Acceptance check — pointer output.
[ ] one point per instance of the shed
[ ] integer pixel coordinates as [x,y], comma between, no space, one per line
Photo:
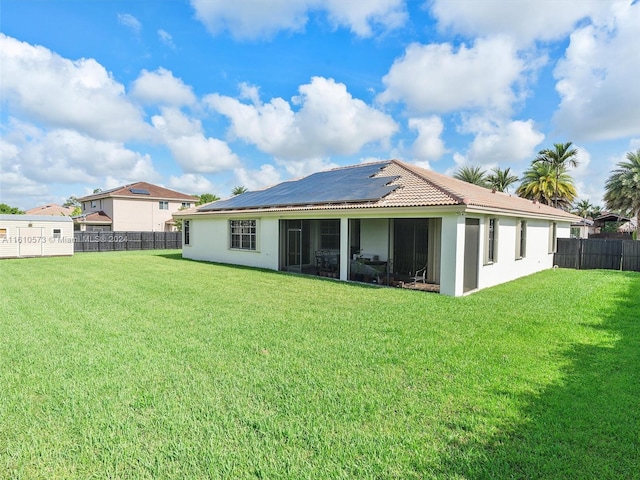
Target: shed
[35,236]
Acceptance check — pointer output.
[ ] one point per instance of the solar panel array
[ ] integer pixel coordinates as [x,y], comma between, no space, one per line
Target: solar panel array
[139,191]
[344,185]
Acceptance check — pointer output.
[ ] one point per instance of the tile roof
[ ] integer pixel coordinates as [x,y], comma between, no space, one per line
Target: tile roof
[94,217]
[51,209]
[154,191]
[414,187]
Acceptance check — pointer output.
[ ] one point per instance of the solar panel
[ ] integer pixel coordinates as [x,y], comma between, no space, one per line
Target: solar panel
[139,191]
[344,185]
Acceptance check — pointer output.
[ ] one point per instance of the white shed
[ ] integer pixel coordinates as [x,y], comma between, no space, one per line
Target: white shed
[35,236]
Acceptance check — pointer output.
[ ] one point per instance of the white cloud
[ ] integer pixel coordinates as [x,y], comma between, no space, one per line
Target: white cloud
[525,20]
[80,95]
[598,76]
[428,145]
[437,78]
[266,176]
[504,142]
[130,21]
[67,156]
[166,38]
[161,87]
[248,19]
[191,183]
[329,121]
[195,152]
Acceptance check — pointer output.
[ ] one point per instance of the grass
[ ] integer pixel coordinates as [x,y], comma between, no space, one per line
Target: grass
[141,365]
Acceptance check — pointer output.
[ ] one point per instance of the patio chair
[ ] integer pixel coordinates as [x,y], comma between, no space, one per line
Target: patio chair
[420,276]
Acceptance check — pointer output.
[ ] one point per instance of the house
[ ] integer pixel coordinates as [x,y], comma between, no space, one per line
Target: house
[381,222]
[51,209]
[582,228]
[35,236]
[138,207]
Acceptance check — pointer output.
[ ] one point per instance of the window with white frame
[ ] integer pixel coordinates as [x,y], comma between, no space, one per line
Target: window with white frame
[186,205]
[242,234]
[491,241]
[186,228]
[3,233]
[521,239]
[164,205]
[553,236]
[57,233]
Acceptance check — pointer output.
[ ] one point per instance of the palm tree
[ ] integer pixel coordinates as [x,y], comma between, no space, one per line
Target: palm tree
[238,190]
[500,180]
[582,208]
[622,190]
[472,174]
[560,158]
[543,184]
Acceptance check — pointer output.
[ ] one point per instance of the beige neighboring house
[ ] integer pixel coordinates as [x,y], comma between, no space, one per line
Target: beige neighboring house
[52,209]
[138,207]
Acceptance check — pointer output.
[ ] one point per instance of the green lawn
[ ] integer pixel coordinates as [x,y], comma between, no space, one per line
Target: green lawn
[143,365]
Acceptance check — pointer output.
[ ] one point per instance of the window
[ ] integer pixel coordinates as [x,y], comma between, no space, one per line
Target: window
[491,241]
[94,204]
[553,236]
[3,233]
[164,205]
[186,205]
[57,233]
[186,227]
[330,235]
[243,234]
[521,239]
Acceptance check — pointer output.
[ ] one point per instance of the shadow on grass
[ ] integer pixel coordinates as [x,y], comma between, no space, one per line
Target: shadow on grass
[586,428]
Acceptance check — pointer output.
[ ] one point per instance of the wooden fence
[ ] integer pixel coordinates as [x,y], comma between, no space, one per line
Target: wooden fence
[590,253]
[114,241]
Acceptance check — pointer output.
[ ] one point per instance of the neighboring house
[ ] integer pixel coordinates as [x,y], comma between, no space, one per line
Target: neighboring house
[138,207]
[35,236]
[388,217]
[52,209]
[582,228]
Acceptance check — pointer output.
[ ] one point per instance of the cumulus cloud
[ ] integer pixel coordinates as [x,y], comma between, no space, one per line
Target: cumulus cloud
[266,176]
[524,20]
[195,152]
[501,141]
[61,93]
[328,121]
[598,76]
[250,19]
[66,156]
[191,183]
[438,78]
[428,145]
[161,87]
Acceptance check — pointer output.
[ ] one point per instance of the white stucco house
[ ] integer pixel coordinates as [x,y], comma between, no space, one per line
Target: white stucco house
[35,236]
[380,222]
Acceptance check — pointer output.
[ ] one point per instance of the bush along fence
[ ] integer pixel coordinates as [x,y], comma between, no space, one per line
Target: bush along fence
[114,241]
[590,253]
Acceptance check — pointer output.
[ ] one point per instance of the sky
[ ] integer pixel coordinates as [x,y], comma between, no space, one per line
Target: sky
[201,96]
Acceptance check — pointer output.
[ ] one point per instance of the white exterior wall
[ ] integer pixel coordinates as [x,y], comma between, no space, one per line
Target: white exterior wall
[507,267]
[209,240]
[374,237]
[22,240]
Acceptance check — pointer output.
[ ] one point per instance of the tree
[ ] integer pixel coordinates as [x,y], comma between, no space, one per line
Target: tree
[501,180]
[238,190]
[97,190]
[207,198]
[559,159]
[543,184]
[72,201]
[6,209]
[472,174]
[622,189]
[76,211]
[582,208]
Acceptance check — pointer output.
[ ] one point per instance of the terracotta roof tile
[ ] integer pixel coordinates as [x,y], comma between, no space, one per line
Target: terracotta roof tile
[155,192]
[51,209]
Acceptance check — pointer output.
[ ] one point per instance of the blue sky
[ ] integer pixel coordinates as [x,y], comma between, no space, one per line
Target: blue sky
[201,96]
